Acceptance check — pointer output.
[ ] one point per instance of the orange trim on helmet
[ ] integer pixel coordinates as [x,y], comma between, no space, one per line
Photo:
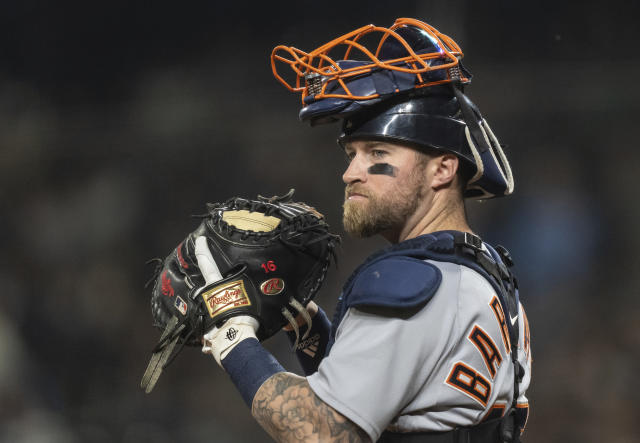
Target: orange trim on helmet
[318,61]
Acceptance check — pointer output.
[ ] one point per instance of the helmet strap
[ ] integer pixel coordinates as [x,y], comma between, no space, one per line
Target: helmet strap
[471,116]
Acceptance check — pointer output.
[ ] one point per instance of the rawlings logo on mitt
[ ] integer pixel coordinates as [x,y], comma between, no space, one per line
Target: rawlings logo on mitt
[271,256]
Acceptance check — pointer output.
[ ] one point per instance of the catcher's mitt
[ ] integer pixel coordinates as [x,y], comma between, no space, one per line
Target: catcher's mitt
[272,256]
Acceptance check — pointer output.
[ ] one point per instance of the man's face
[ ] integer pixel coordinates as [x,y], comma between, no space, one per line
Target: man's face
[385,182]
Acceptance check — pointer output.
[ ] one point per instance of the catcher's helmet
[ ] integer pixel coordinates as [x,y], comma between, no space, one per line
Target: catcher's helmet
[408,88]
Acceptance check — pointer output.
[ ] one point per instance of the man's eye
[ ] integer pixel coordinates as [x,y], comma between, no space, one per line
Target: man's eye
[348,157]
[378,153]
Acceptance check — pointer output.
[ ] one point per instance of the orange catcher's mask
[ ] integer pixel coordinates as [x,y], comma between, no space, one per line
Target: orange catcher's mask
[410,53]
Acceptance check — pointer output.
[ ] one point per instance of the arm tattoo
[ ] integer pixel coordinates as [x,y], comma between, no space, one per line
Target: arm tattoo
[288,409]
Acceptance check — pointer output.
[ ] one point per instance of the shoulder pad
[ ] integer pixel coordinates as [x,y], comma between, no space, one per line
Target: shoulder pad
[396,282]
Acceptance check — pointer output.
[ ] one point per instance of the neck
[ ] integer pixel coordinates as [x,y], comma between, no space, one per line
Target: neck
[442,212]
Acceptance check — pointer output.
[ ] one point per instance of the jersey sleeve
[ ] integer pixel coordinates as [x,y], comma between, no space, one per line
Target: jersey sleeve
[365,375]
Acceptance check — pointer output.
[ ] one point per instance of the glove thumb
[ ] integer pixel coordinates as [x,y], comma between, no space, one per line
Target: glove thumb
[206,263]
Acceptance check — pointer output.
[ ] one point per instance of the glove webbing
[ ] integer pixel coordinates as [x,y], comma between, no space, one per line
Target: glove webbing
[161,355]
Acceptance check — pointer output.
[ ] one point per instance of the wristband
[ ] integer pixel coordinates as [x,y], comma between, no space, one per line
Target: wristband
[311,350]
[249,365]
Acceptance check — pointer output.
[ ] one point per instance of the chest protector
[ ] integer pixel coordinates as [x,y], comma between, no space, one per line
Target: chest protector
[455,247]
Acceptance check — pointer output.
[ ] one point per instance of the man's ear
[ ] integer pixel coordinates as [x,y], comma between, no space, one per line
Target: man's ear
[444,170]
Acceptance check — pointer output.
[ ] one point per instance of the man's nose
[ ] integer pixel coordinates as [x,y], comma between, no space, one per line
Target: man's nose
[356,171]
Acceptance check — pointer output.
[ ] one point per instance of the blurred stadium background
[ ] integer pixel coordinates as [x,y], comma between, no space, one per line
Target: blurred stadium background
[120,119]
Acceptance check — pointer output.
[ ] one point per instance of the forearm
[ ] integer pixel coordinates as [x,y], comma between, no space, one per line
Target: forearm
[288,409]
[283,403]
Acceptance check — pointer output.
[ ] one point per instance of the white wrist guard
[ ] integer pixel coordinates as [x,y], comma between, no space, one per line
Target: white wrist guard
[220,341]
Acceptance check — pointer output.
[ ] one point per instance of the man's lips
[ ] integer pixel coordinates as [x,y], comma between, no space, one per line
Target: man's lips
[353,194]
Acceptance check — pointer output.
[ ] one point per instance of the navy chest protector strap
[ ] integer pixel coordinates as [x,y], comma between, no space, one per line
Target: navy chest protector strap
[493,264]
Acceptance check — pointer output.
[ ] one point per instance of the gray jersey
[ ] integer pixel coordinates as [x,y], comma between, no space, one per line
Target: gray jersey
[446,366]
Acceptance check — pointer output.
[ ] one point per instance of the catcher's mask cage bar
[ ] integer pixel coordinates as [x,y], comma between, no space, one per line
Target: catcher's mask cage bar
[316,70]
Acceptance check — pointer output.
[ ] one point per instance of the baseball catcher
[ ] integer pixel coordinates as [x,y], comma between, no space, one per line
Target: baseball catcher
[428,341]
[253,263]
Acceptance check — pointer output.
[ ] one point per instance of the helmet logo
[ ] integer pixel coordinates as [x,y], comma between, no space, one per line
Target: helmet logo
[273,286]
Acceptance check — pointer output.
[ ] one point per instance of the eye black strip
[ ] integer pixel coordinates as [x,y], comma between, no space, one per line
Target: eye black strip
[382,169]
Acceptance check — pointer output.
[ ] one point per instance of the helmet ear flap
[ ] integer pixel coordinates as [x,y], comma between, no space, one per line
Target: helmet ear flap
[493,177]
[501,159]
